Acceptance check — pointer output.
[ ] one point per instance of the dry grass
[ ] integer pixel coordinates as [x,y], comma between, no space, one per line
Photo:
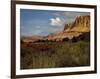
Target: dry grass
[55,54]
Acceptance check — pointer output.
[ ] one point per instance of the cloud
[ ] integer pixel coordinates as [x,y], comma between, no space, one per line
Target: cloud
[65,17]
[70,16]
[75,14]
[56,21]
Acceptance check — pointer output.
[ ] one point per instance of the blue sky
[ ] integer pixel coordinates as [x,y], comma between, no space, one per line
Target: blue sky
[44,22]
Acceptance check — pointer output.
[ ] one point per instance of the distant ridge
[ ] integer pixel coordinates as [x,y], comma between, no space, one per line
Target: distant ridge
[80,26]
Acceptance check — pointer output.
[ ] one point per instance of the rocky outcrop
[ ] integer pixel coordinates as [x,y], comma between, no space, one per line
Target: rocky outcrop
[75,29]
[81,24]
[60,36]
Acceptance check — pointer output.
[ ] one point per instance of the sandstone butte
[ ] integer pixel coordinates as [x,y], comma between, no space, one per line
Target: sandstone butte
[74,29]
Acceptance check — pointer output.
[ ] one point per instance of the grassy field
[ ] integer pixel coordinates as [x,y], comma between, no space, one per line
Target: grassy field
[55,54]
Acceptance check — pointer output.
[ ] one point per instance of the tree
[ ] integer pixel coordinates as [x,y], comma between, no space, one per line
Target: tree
[65,39]
[74,39]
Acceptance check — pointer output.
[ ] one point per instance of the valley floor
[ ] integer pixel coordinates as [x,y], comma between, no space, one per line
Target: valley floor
[55,54]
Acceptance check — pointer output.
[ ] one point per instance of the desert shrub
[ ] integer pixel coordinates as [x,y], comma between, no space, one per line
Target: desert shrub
[74,39]
[55,54]
[65,39]
[85,36]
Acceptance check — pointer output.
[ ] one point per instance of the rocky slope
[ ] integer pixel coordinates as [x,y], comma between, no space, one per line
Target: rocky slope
[75,29]
[81,24]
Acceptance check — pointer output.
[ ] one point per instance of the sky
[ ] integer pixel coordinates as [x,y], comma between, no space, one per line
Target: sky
[44,22]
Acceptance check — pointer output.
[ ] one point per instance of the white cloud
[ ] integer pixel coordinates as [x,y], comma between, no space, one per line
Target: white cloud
[56,21]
